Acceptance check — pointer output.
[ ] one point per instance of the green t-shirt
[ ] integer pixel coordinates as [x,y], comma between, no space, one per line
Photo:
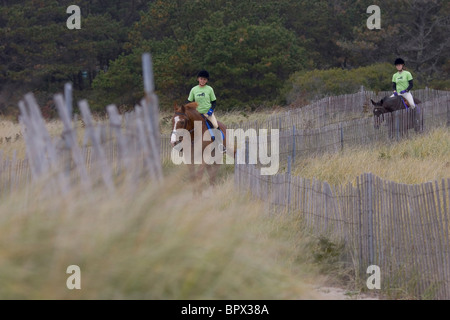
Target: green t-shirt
[203,96]
[402,80]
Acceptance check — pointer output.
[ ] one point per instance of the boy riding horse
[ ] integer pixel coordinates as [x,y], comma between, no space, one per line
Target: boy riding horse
[204,95]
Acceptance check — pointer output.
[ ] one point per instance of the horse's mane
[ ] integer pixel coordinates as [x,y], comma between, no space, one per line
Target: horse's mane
[191,105]
[191,111]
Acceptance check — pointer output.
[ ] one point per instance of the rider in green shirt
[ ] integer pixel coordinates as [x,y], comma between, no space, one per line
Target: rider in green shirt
[205,97]
[402,82]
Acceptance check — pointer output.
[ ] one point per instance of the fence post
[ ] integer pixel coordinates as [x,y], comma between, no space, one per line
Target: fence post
[397,125]
[448,110]
[97,145]
[341,129]
[293,144]
[115,123]
[151,113]
[237,172]
[417,119]
[70,134]
[359,182]
[68,98]
[370,217]
[247,151]
[289,184]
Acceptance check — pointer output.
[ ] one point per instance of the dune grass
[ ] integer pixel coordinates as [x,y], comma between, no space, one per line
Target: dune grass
[421,159]
[12,140]
[157,243]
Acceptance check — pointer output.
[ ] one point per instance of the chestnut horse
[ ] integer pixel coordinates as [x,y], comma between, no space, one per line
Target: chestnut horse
[185,117]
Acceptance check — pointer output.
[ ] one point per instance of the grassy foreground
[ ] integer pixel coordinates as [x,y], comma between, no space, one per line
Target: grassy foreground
[156,243]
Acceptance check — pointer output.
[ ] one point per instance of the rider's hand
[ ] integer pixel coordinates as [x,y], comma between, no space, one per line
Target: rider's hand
[395,93]
[210,112]
[404,91]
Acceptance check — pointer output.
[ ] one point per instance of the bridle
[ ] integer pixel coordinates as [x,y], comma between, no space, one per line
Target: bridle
[185,125]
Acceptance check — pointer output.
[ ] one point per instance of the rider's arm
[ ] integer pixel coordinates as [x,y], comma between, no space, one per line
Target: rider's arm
[394,86]
[410,85]
[213,104]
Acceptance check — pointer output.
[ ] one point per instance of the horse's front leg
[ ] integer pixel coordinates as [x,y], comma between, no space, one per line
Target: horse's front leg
[199,171]
[194,179]
[376,122]
[212,173]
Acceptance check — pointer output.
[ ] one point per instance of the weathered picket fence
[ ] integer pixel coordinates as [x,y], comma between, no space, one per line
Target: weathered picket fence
[126,148]
[316,128]
[297,141]
[336,109]
[403,229]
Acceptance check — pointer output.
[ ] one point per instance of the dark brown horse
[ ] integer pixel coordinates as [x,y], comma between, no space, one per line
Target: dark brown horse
[185,117]
[389,104]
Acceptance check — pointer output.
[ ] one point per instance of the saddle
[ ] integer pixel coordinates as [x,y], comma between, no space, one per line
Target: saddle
[405,102]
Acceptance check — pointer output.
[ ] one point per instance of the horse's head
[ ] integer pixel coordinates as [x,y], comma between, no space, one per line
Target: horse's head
[378,108]
[377,104]
[181,119]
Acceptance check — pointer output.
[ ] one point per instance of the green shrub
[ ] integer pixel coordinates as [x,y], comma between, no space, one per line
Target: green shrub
[317,84]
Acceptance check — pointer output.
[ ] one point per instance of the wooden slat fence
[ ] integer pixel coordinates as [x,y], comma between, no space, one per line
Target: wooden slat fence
[299,141]
[126,147]
[334,110]
[403,229]
[300,133]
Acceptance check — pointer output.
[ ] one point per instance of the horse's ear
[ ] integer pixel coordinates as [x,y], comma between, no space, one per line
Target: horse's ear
[176,107]
[183,109]
[378,104]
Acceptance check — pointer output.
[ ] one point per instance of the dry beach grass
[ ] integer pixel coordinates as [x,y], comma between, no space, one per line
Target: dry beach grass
[156,243]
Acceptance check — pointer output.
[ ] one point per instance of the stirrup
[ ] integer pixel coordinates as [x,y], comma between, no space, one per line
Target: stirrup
[222,148]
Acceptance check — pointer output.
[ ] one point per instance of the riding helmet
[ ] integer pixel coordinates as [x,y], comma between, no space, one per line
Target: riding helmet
[203,74]
[399,61]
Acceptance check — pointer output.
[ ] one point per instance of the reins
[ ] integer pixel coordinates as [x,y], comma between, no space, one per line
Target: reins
[185,124]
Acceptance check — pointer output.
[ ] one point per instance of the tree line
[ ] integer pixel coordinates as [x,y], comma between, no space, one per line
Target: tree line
[258,52]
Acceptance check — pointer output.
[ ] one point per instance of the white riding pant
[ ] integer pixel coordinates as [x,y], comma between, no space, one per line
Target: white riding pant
[408,96]
[213,120]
